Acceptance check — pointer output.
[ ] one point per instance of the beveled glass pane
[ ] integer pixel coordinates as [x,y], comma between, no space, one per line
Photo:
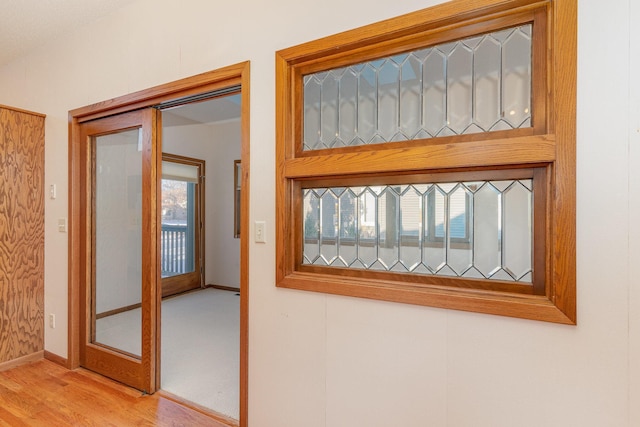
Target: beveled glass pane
[329,226]
[410,92]
[368,230]
[460,254]
[459,89]
[348,107]
[460,257]
[434,95]
[459,212]
[329,112]
[348,227]
[476,229]
[487,83]
[388,99]
[473,273]
[501,186]
[118,241]
[435,246]
[487,240]
[516,70]
[367,104]
[411,217]
[311,225]
[388,226]
[474,85]
[312,94]
[517,230]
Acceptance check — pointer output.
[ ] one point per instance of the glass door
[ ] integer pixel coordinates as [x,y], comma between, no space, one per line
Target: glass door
[181,243]
[120,298]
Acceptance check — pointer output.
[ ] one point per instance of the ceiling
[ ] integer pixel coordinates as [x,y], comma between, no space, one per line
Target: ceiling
[205,112]
[28,24]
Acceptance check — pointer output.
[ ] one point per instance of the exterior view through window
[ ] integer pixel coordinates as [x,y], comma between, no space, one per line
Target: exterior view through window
[178,221]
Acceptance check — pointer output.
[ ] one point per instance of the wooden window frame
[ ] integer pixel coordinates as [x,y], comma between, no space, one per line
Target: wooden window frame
[548,147]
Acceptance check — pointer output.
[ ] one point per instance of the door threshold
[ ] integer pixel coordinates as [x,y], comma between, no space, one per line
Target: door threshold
[217,416]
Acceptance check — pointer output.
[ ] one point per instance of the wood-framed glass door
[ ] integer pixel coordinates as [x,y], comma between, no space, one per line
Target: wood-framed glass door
[119,234]
[182,224]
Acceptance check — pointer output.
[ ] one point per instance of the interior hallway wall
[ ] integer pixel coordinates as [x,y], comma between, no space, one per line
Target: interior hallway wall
[319,360]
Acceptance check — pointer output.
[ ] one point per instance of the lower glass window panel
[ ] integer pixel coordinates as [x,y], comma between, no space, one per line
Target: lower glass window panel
[470,229]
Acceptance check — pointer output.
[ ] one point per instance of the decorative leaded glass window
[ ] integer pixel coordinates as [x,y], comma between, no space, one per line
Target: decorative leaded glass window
[478,84]
[479,229]
[430,159]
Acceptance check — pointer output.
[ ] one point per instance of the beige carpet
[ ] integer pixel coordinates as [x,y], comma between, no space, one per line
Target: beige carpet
[201,349]
[200,346]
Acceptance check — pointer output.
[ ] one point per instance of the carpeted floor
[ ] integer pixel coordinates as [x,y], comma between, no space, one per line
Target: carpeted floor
[200,346]
[201,349]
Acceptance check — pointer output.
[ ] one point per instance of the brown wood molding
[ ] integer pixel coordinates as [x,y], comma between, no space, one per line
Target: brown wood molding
[58,360]
[22,360]
[223,288]
[20,110]
[229,422]
[117,310]
[201,83]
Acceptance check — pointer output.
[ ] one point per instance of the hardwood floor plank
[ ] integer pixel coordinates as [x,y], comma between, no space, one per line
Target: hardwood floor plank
[19,403]
[8,418]
[44,393]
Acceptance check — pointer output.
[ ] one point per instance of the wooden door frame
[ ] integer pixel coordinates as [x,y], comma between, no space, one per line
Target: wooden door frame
[177,284]
[220,79]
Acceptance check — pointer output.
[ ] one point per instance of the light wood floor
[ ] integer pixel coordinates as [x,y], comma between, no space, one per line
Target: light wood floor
[43,393]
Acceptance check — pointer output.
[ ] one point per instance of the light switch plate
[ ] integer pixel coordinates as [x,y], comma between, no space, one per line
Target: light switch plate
[62,225]
[260,231]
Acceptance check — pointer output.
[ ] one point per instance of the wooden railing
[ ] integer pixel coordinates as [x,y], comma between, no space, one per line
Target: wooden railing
[173,249]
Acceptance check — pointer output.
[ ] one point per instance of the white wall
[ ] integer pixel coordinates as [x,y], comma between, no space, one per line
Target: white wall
[218,145]
[633,214]
[318,360]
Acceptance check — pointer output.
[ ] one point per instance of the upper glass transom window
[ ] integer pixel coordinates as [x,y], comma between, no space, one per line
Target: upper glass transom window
[478,84]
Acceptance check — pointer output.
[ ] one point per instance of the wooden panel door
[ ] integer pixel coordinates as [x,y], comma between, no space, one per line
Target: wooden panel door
[21,234]
[119,235]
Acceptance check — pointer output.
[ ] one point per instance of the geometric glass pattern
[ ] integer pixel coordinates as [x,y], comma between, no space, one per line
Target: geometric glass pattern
[472,229]
[474,85]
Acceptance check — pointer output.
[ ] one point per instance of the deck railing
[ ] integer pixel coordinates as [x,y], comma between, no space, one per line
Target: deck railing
[173,249]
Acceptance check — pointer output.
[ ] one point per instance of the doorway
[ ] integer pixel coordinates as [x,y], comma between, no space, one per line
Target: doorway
[200,329]
[83,208]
